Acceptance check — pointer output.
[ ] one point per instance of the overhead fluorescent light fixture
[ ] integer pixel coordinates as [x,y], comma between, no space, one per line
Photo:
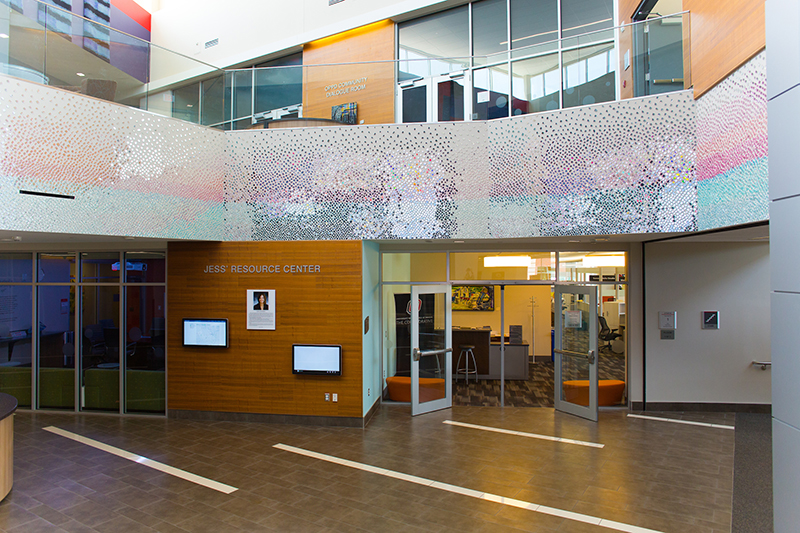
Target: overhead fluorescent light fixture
[507,261]
[598,261]
[3,36]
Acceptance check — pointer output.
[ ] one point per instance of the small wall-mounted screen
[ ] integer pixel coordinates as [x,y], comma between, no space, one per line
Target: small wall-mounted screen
[317,359]
[205,332]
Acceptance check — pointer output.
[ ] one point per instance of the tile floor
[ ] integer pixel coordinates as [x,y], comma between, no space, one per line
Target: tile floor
[667,477]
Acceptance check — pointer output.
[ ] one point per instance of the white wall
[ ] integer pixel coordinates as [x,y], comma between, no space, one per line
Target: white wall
[370,307]
[783,92]
[712,366]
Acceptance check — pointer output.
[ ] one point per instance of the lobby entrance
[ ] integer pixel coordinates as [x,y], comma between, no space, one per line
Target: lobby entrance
[504,333]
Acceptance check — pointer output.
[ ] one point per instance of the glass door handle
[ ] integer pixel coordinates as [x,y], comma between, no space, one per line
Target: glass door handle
[590,356]
[418,353]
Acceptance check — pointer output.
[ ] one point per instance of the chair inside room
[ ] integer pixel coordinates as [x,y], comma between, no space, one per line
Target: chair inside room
[606,334]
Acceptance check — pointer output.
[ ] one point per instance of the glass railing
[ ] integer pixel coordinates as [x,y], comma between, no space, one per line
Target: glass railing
[48,45]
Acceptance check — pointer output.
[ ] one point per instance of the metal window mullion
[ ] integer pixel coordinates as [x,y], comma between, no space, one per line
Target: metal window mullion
[166,335]
[123,361]
[34,338]
[560,53]
[508,59]
[76,328]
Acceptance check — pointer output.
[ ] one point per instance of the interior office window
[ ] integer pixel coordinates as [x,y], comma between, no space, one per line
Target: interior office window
[56,268]
[56,341]
[16,319]
[15,268]
[519,266]
[588,267]
[583,16]
[416,267]
[100,267]
[533,22]
[186,103]
[489,29]
[279,83]
[535,85]
[101,353]
[490,93]
[441,35]
[145,267]
[145,389]
[588,75]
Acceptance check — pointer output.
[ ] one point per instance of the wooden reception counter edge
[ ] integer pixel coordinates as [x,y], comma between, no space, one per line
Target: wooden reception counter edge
[8,404]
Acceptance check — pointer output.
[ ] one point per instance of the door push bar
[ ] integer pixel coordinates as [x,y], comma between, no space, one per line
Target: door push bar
[762,364]
[418,353]
[589,356]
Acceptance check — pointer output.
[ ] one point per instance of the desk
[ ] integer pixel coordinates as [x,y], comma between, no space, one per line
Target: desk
[8,404]
[516,366]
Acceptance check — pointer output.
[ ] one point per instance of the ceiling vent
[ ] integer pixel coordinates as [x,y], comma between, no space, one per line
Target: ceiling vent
[332,2]
[212,42]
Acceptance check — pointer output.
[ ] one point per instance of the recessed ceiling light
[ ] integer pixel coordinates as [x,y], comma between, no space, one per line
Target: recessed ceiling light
[574,241]
[129,238]
[81,74]
[189,105]
[458,242]
[3,36]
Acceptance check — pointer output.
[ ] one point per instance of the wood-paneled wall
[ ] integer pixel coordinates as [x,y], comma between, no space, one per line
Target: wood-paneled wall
[254,375]
[374,42]
[724,36]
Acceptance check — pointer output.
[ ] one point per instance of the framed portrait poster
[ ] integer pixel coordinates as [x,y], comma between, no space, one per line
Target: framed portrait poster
[261,309]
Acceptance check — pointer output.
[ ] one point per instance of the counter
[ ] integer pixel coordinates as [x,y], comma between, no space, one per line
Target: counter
[487,354]
[8,404]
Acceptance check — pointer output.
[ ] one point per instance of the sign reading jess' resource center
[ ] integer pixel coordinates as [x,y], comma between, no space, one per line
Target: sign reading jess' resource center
[261,269]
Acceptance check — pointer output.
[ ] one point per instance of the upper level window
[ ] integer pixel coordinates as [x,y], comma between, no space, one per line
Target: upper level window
[441,35]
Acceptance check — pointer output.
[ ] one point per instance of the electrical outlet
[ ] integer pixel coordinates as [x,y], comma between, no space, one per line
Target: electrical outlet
[335,397]
[328,397]
[367,392]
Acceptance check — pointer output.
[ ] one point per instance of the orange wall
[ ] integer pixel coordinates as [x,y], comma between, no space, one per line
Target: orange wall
[375,94]
[724,36]
[254,375]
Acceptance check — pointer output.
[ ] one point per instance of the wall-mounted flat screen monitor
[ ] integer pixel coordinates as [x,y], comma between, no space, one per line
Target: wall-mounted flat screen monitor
[205,332]
[317,359]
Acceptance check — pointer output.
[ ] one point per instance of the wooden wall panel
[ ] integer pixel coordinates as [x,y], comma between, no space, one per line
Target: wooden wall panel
[254,375]
[375,100]
[724,36]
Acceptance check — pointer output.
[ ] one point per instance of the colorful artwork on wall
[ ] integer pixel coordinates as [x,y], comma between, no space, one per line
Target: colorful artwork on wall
[473,298]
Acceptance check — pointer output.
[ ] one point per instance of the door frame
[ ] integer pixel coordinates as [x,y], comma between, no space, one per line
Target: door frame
[447,401]
[589,412]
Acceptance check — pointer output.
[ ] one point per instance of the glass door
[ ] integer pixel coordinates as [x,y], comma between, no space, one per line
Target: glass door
[431,349]
[576,350]
[437,99]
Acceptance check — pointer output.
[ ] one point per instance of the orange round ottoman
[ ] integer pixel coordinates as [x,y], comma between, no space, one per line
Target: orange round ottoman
[400,388]
[609,391]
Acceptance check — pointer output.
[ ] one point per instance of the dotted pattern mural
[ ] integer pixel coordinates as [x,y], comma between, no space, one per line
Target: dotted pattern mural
[732,173]
[130,172]
[622,167]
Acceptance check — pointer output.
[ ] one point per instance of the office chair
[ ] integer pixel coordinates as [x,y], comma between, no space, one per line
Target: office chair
[606,334]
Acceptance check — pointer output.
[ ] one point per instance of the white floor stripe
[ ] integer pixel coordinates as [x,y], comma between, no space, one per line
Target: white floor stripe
[677,421]
[523,434]
[188,476]
[618,526]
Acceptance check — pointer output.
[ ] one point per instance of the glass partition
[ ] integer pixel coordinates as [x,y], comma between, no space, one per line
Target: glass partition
[397,330]
[490,93]
[56,268]
[589,75]
[489,29]
[16,320]
[145,267]
[441,35]
[590,267]
[15,268]
[535,85]
[100,267]
[145,347]
[56,341]
[520,266]
[100,355]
